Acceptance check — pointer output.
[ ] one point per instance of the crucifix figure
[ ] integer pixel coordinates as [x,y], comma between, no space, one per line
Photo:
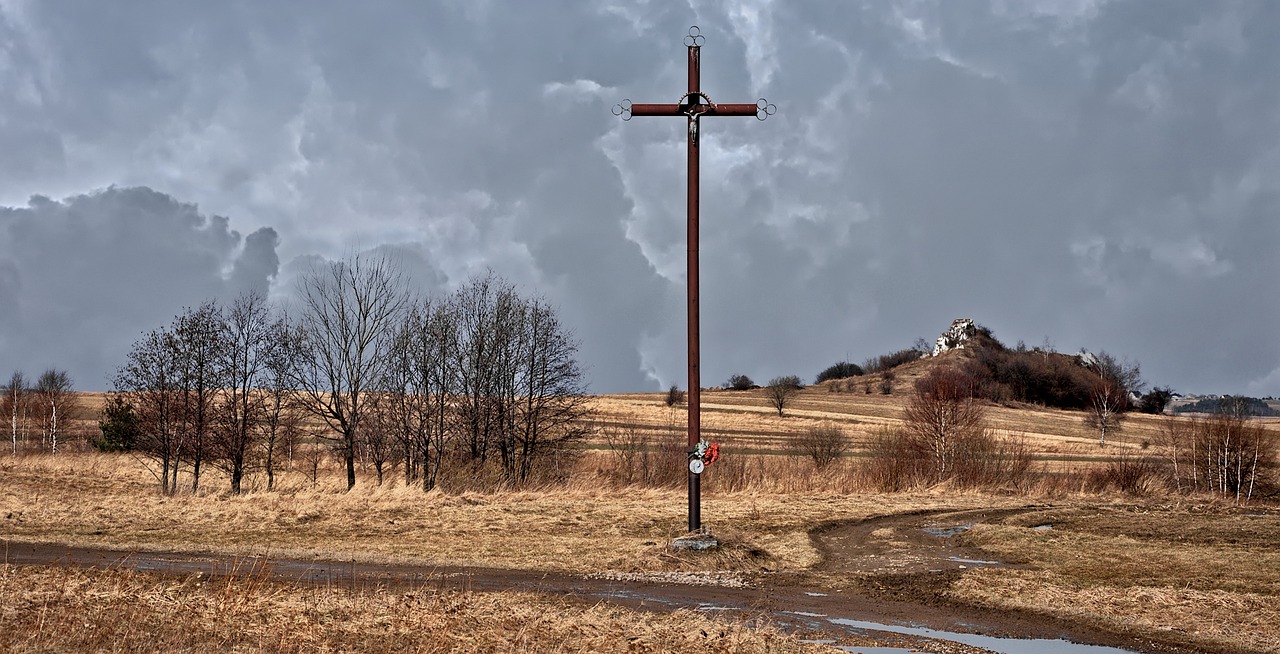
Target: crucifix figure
[694,105]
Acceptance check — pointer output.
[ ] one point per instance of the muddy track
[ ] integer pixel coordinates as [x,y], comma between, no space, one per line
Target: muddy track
[889,569]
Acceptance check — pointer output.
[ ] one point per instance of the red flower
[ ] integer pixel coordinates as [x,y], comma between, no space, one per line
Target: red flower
[712,454]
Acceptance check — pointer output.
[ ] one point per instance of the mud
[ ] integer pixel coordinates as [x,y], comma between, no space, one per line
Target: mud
[887,570]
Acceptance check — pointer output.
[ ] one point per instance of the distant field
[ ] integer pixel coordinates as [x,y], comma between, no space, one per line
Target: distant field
[743,421]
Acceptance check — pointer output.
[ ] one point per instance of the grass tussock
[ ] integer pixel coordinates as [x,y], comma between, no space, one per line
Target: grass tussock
[52,609]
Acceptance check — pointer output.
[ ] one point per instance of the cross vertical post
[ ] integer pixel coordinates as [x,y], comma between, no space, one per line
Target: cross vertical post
[694,106]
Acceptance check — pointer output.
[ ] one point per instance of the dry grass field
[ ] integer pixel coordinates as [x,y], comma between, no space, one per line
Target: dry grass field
[71,610]
[1188,570]
[743,421]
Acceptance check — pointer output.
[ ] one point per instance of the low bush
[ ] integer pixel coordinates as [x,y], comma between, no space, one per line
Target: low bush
[675,396]
[891,360]
[822,443]
[839,370]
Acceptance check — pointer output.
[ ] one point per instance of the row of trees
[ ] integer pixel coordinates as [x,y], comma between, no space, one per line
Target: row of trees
[385,375]
[1227,453]
[37,414]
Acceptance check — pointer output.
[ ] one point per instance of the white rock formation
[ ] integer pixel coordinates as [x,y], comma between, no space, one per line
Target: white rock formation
[1087,359]
[962,329]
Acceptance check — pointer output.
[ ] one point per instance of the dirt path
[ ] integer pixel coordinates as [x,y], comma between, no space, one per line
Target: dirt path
[887,570]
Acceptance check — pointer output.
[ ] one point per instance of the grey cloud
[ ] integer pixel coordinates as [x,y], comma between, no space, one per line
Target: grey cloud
[1101,173]
[81,278]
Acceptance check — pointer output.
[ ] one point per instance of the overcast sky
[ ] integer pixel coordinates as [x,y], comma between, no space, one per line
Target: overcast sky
[1103,175]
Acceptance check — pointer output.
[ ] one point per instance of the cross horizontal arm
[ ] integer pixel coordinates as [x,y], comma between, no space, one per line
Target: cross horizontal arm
[735,109]
[638,109]
[656,110]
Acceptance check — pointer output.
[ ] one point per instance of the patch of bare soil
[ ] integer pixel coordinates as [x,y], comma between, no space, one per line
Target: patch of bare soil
[904,544]
[912,560]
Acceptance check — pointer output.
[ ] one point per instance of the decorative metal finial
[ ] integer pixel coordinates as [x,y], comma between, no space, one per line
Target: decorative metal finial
[694,38]
[623,109]
[764,109]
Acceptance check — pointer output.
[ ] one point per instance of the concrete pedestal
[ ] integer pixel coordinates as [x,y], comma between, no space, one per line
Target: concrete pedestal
[702,540]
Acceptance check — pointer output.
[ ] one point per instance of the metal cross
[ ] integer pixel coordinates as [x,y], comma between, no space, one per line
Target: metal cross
[694,105]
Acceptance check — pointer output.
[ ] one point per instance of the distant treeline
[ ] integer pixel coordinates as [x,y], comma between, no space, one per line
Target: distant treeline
[1234,404]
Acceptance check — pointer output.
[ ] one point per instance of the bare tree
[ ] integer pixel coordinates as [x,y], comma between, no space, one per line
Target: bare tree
[1123,373]
[780,391]
[442,381]
[417,386]
[199,343]
[246,338]
[378,442]
[53,389]
[485,309]
[942,416]
[280,425]
[519,383]
[149,380]
[550,390]
[350,310]
[14,405]
[1107,404]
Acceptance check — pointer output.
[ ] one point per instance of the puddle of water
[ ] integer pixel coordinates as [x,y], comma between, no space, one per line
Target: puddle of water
[972,561]
[993,643]
[877,650]
[812,594]
[1042,528]
[947,532]
[863,650]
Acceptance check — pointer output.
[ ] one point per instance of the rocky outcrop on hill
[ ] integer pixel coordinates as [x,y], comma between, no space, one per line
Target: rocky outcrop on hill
[961,332]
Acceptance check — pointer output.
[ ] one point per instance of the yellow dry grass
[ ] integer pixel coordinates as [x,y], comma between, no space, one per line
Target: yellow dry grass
[1210,575]
[744,421]
[111,501]
[70,610]
[1215,620]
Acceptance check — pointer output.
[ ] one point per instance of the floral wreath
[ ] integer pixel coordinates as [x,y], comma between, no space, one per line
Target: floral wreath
[708,452]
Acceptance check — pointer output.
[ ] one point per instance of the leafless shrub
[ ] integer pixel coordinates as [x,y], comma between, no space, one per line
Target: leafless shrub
[626,444]
[641,460]
[886,382]
[1131,475]
[893,462]
[985,460]
[823,443]
[891,360]
[675,396]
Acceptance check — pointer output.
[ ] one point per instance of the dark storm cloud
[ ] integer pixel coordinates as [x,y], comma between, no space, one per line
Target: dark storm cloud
[1100,173]
[81,278]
